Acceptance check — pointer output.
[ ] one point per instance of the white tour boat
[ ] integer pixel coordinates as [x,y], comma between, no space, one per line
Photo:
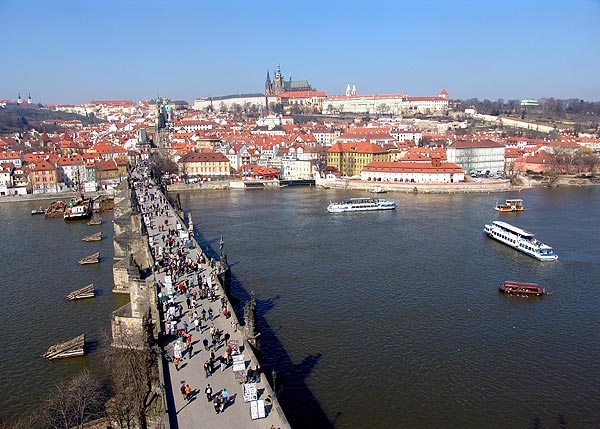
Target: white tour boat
[519,239]
[360,205]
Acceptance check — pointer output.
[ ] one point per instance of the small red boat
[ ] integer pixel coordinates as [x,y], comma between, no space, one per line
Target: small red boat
[521,288]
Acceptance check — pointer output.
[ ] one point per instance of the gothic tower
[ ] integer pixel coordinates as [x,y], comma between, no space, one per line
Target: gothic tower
[268,85]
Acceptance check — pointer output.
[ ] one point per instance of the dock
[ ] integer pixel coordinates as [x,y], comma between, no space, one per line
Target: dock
[82,293]
[93,237]
[73,347]
[91,259]
[253,407]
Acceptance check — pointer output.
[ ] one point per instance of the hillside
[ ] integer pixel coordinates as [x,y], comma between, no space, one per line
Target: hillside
[22,118]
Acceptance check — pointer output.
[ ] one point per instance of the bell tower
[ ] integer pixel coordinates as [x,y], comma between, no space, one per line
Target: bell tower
[278,81]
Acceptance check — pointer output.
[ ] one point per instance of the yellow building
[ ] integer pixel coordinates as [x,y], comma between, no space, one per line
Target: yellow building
[351,157]
[204,164]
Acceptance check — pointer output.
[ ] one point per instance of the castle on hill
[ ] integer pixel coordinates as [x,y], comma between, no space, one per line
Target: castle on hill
[279,85]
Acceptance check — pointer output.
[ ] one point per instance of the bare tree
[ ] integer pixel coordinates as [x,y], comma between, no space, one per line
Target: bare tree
[587,160]
[73,403]
[160,163]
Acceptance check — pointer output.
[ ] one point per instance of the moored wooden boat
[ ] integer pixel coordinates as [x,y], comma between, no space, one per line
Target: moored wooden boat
[514,205]
[84,292]
[91,259]
[94,222]
[73,347]
[55,209]
[93,237]
[39,210]
[521,288]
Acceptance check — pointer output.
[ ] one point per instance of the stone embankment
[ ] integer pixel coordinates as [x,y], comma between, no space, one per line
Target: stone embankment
[439,188]
[426,188]
[65,195]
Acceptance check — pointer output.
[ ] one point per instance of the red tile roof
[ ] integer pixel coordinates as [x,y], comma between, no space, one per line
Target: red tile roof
[204,157]
[465,144]
[412,167]
[357,147]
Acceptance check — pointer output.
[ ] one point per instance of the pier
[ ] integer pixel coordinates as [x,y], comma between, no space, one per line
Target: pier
[154,270]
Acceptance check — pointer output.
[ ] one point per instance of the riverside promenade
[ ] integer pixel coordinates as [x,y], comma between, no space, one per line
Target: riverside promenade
[164,225]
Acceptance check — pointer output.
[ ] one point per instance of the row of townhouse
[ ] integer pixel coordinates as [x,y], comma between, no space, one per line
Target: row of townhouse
[49,175]
[294,164]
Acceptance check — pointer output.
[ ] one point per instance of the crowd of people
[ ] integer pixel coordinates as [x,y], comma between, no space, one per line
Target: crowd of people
[190,279]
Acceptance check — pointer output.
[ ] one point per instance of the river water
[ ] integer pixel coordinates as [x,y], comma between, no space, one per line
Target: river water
[394,319]
[39,267]
[384,319]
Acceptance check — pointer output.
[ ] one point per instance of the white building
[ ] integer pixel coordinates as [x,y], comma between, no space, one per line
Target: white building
[191,125]
[227,101]
[388,104]
[71,171]
[413,172]
[326,137]
[478,155]
[6,181]
[296,169]
[14,156]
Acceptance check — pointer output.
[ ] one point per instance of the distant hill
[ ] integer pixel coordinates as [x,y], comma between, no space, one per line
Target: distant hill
[14,118]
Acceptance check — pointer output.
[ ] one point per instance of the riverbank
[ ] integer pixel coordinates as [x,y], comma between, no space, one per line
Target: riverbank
[484,186]
[66,195]
[439,188]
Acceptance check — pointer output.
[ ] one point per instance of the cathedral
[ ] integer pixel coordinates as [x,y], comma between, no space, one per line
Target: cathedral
[280,85]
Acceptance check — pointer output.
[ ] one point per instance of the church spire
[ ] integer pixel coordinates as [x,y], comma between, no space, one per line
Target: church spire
[268,85]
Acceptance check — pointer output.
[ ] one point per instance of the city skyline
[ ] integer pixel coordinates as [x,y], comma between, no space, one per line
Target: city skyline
[67,52]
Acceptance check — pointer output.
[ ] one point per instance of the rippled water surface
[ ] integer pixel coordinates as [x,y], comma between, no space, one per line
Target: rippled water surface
[394,319]
[385,319]
[39,267]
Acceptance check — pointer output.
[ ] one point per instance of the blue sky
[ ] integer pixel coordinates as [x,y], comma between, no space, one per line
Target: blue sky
[76,51]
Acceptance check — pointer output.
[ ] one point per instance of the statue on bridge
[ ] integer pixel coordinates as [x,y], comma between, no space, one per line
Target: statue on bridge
[251,326]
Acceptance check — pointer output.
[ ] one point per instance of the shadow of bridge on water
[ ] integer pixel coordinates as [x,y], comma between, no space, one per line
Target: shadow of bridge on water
[299,404]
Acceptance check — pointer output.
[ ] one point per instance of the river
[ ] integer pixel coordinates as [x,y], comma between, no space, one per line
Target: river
[394,319]
[39,267]
[382,319]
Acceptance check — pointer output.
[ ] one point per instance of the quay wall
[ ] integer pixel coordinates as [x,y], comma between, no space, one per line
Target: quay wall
[220,185]
[51,196]
[426,188]
[430,188]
